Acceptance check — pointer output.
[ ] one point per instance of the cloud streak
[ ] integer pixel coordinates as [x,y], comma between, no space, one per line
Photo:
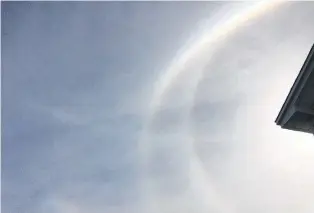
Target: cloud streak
[79,133]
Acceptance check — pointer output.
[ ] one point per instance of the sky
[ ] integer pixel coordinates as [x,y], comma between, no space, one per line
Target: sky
[153,107]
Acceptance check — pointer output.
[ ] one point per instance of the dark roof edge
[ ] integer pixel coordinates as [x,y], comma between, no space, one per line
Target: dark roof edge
[295,88]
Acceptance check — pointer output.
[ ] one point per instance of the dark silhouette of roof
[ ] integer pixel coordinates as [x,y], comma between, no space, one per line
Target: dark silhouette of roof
[297,112]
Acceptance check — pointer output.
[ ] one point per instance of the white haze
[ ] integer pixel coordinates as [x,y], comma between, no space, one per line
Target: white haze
[218,146]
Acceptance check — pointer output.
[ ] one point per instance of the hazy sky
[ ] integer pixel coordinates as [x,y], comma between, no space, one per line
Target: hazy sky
[118,107]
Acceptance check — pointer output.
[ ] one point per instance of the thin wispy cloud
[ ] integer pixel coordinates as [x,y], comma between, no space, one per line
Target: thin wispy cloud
[78,135]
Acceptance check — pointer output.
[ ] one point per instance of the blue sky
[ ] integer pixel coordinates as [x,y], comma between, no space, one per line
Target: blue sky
[78,135]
